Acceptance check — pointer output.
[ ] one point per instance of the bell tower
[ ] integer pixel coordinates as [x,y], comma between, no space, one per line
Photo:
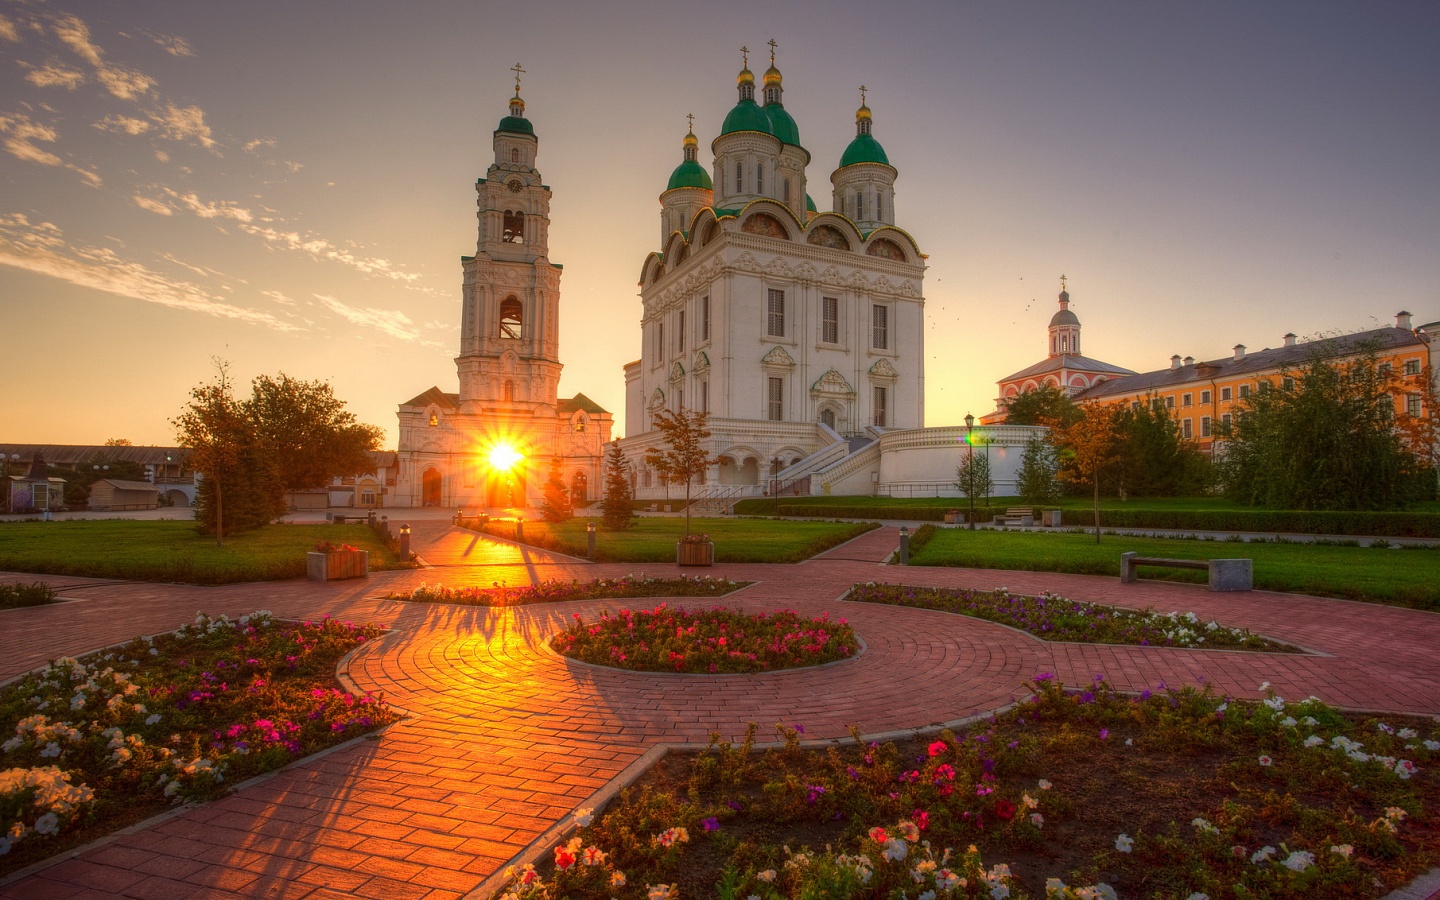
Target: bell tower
[509,323]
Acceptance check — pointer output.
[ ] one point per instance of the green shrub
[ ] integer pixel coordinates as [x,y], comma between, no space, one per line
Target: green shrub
[14,596]
[1390,524]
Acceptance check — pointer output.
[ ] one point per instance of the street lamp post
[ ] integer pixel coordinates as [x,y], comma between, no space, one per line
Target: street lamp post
[970,466]
[775,483]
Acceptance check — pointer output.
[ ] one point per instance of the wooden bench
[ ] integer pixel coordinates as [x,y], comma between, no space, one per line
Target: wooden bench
[1017,515]
[1225,574]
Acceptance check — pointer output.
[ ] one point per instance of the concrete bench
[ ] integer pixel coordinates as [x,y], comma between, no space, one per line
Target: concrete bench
[1225,574]
[1017,515]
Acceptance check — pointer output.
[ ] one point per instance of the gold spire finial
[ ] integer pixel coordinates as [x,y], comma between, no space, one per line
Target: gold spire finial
[1062,282]
[862,95]
[745,57]
[691,118]
[518,72]
[773,45]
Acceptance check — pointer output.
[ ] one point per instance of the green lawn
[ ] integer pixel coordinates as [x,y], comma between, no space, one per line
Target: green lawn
[652,539]
[1167,504]
[173,551]
[1401,577]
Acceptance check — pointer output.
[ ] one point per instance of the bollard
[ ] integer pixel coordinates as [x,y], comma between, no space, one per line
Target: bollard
[520,529]
[404,542]
[370,518]
[384,525]
[904,546]
[590,540]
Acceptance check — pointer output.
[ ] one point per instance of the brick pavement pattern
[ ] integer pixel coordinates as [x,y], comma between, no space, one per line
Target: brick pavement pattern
[504,737]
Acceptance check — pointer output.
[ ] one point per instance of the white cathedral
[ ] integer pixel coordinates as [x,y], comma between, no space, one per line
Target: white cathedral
[800,333]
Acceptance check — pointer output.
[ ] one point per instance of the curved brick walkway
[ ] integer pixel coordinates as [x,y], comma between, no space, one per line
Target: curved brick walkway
[505,738]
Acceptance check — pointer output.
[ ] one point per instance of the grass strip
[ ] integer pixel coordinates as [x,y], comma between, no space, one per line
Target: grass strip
[16,596]
[556,591]
[653,539]
[1051,617]
[1390,576]
[1078,793]
[166,551]
[99,743]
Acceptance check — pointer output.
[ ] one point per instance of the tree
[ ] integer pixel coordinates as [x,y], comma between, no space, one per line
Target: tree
[1153,459]
[973,474]
[684,457]
[1324,437]
[310,433]
[1042,406]
[289,435]
[118,442]
[1420,431]
[1086,446]
[617,507]
[557,505]
[1036,482]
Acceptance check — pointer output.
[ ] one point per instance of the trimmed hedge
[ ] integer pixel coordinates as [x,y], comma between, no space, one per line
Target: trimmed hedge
[765,507]
[1385,524]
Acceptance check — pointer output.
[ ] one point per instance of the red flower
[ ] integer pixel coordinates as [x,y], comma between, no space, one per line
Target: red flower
[1004,809]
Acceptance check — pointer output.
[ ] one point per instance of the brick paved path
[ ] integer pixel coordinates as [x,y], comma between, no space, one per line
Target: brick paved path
[505,737]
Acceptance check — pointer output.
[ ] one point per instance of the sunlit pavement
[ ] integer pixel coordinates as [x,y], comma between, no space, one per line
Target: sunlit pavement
[504,738]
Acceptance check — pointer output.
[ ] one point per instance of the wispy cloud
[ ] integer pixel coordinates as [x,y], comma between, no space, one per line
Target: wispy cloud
[23,138]
[391,321]
[184,123]
[119,124]
[8,30]
[55,75]
[75,34]
[154,206]
[208,209]
[278,298]
[42,249]
[253,147]
[175,46]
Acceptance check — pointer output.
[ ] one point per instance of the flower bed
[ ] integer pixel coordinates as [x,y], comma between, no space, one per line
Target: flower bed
[98,743]
[1076,794]
[556,591]
[1054,618]
[717,640]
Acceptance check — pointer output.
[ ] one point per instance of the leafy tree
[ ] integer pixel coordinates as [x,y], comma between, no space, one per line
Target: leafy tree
[973,474]
[618,511]
[1086,447]
[214,429]
[1036,482]
[1042,406]
[1324,437]
[311,435]
[684,457]
[557,505]
[1152,458]
[118,442]
[1420,434]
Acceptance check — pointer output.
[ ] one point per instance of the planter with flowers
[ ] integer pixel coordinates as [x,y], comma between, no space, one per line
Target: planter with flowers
[333,562]
[695,550]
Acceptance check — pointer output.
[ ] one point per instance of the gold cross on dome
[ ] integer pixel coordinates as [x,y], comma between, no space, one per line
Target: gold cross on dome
[691,118]
[773,45]
[518,72]
[862,95]
[1062,282]
[745,56]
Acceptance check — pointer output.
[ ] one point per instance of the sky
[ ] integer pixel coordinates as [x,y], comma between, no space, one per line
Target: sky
[289,187]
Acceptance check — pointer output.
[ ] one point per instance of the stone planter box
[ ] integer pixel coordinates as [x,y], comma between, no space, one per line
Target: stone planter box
[337,565]
[690,553]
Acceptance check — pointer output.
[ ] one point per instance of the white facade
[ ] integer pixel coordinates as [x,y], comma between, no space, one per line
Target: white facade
[509,363]
[792,329]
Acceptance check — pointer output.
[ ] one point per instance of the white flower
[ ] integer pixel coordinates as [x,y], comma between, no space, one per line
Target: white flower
[1044,785]
[1381,726]
[1408,733]
[1432,745]
[1274,703]
[1124,843]
[53,749]
[1264,686]
[47,824]
[1405,768]
[1204,826]
[1288,722]
[895,850]
[583,817]
[1198,896]
[152,719]
[1314,740]
[1299,860]
[927,895]
[1261,855]
[1311,721]
[1265,761]
[1054,886]
[1343,849]
[766,876]
[1037,820]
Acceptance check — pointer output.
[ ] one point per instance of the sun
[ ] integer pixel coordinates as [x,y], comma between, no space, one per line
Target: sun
[504,457]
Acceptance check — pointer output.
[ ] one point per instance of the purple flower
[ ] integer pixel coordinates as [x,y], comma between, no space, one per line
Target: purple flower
[710,823]
[799,729]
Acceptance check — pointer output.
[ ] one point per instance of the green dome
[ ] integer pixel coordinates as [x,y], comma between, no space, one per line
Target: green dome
[689,174]
[747,116]
[516,125]
[781,125]
[810,202]
[864,149]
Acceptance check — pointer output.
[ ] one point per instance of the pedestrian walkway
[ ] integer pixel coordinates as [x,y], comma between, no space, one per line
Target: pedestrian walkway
[504,737]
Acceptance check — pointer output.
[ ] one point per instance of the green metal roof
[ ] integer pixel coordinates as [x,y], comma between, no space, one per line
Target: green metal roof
[864,149]
[689,174]
[516,125]
[782,125]
[747,116]
[810,202]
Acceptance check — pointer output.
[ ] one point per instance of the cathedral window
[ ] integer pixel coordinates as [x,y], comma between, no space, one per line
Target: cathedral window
[775,314]
[739,176]
[705,318]
[510,319]
[507,392]
[679,399]
[787,191]
[581,423]
[882,397]
[879,206]
[859,206]
[680,333]
[759,178]
[434,419]
[514,232]
[830,320]
[659,341]
[580,488]
[775,399]
[705,397]
[515,154]
[880,327]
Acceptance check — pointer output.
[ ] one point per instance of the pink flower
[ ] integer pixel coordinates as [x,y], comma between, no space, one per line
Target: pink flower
[1265,761]
[938,748]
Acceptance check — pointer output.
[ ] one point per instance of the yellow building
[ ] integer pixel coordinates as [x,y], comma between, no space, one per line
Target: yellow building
[1201,394]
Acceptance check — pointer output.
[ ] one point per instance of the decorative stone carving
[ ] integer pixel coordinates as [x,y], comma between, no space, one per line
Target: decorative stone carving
[701,362]
[827,236]
[657,400]
[832,384]
[677,372]
[883,369]
[778,357]
[777,268]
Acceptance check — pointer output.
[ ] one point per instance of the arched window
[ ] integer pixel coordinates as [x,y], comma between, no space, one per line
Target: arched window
[759,178]
[827,418]
[434,420]
[514,232]
[581,423]
[739,176]
[879,206]
[859,206]
[511,325]
[515,154]
[580,488]
[507,392]
[787,191]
